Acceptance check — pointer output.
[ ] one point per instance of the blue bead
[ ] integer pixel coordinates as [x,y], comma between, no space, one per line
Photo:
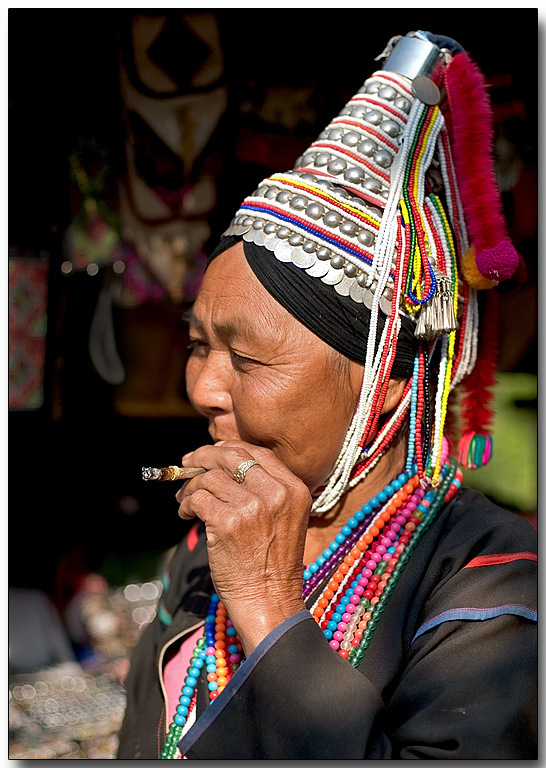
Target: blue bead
[198,663]
[185,701]
[202,655]
[214,598]
[210,619]
[391,550]
[320,561]
[382,496]
[182,711]
[233,649]
[421,508]
[313,567]
[396,484]
[190,681]
[211,668]
[326,553]
[350,592]
[213,686]
[352,522]
[360,515]
[346,531]
[332,625]
[366,509]
[307,575]
[328,634]
[179,720]
[187,691]
[403,478]
[389,490]
[340,538]
[414,469]
[193,672]
[344,600]
[336,617]
[334,546]
[231,631]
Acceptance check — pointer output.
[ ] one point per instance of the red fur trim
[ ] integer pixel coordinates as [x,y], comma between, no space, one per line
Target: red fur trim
[476,402]
[472,134]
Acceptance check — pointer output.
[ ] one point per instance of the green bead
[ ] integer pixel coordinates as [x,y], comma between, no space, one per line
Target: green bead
[366,635]
[201,643]
[360,651]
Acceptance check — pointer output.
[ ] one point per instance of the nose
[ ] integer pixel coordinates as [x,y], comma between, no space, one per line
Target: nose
[207,382]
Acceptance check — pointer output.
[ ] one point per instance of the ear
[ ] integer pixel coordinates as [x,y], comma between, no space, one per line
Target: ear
[395,389]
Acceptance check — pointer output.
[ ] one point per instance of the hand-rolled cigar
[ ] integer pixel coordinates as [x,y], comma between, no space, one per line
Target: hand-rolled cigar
[171,473]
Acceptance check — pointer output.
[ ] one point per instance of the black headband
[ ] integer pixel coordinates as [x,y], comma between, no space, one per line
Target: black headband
[337,320]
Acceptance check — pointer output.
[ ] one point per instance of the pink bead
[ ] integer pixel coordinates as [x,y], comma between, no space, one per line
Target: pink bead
[367,573]
[395,527]
[210,651]
[406,514]
[386,557]
[391,535]
[358,591]
[385,542]
[400,519]
[355,599]
[334,644]
[363,582]
[338,636]
[381,549]
[345,619]
[371,564]
[235,658]
[349,608]
[375,557]
[411,507]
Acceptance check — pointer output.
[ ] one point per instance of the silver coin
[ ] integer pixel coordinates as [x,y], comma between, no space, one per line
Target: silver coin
[367,298]
[319,268]
[333,276]
[426,90]
[283,251]
[385,305]
[302,259]
[259,237]
[357,292]
[344,286]
[270,242]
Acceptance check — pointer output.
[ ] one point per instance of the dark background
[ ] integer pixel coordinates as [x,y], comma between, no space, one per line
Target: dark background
[75,463]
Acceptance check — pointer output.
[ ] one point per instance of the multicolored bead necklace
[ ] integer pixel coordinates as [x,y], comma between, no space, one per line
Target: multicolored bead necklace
[365,561]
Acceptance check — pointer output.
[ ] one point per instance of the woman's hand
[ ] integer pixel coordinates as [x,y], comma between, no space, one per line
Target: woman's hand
[255,533]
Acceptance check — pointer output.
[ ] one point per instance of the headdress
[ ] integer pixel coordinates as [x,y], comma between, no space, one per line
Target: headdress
[393,212]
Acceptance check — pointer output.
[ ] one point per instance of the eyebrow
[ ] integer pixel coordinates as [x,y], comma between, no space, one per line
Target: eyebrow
[225,330]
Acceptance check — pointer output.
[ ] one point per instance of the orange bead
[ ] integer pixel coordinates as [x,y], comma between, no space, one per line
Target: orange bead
[222,682]
[220,689]
[338,576]
[397,503]
[355,552]
[333,585]
[349,560]
[221,663]
[374,600]
[343,568]
[359,633]
[318,612]
[328,594]
[374,531]
[220,654]
[219,635]
[408,487]
[379,524]
[323,602]
[366,616]
[211,677]
[387,513]
[414,481]
[219,644]
[368,538]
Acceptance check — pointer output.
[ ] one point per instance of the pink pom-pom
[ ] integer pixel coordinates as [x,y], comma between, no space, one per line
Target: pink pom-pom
[498,263]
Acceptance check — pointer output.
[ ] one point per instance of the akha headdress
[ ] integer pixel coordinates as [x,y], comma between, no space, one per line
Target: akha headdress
[394,211]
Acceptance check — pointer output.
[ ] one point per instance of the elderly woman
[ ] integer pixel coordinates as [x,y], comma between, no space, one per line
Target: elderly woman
[340,596]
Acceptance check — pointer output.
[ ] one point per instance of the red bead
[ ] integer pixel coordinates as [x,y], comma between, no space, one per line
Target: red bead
[344,653]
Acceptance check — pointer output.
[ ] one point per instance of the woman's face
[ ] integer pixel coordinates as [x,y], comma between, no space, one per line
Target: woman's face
[260,376]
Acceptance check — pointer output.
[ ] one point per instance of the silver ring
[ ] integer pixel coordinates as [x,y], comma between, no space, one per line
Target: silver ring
[242,469]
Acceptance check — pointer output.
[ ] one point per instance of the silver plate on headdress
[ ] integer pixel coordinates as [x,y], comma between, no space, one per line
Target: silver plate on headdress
[319,268]
[344,286]
[283,251]
[333,276]
[302,259]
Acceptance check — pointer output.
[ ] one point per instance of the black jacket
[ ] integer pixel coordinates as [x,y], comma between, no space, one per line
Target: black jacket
[450,673]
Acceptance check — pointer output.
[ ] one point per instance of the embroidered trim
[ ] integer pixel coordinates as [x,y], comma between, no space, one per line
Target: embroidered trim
[498,559]
[476,614]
